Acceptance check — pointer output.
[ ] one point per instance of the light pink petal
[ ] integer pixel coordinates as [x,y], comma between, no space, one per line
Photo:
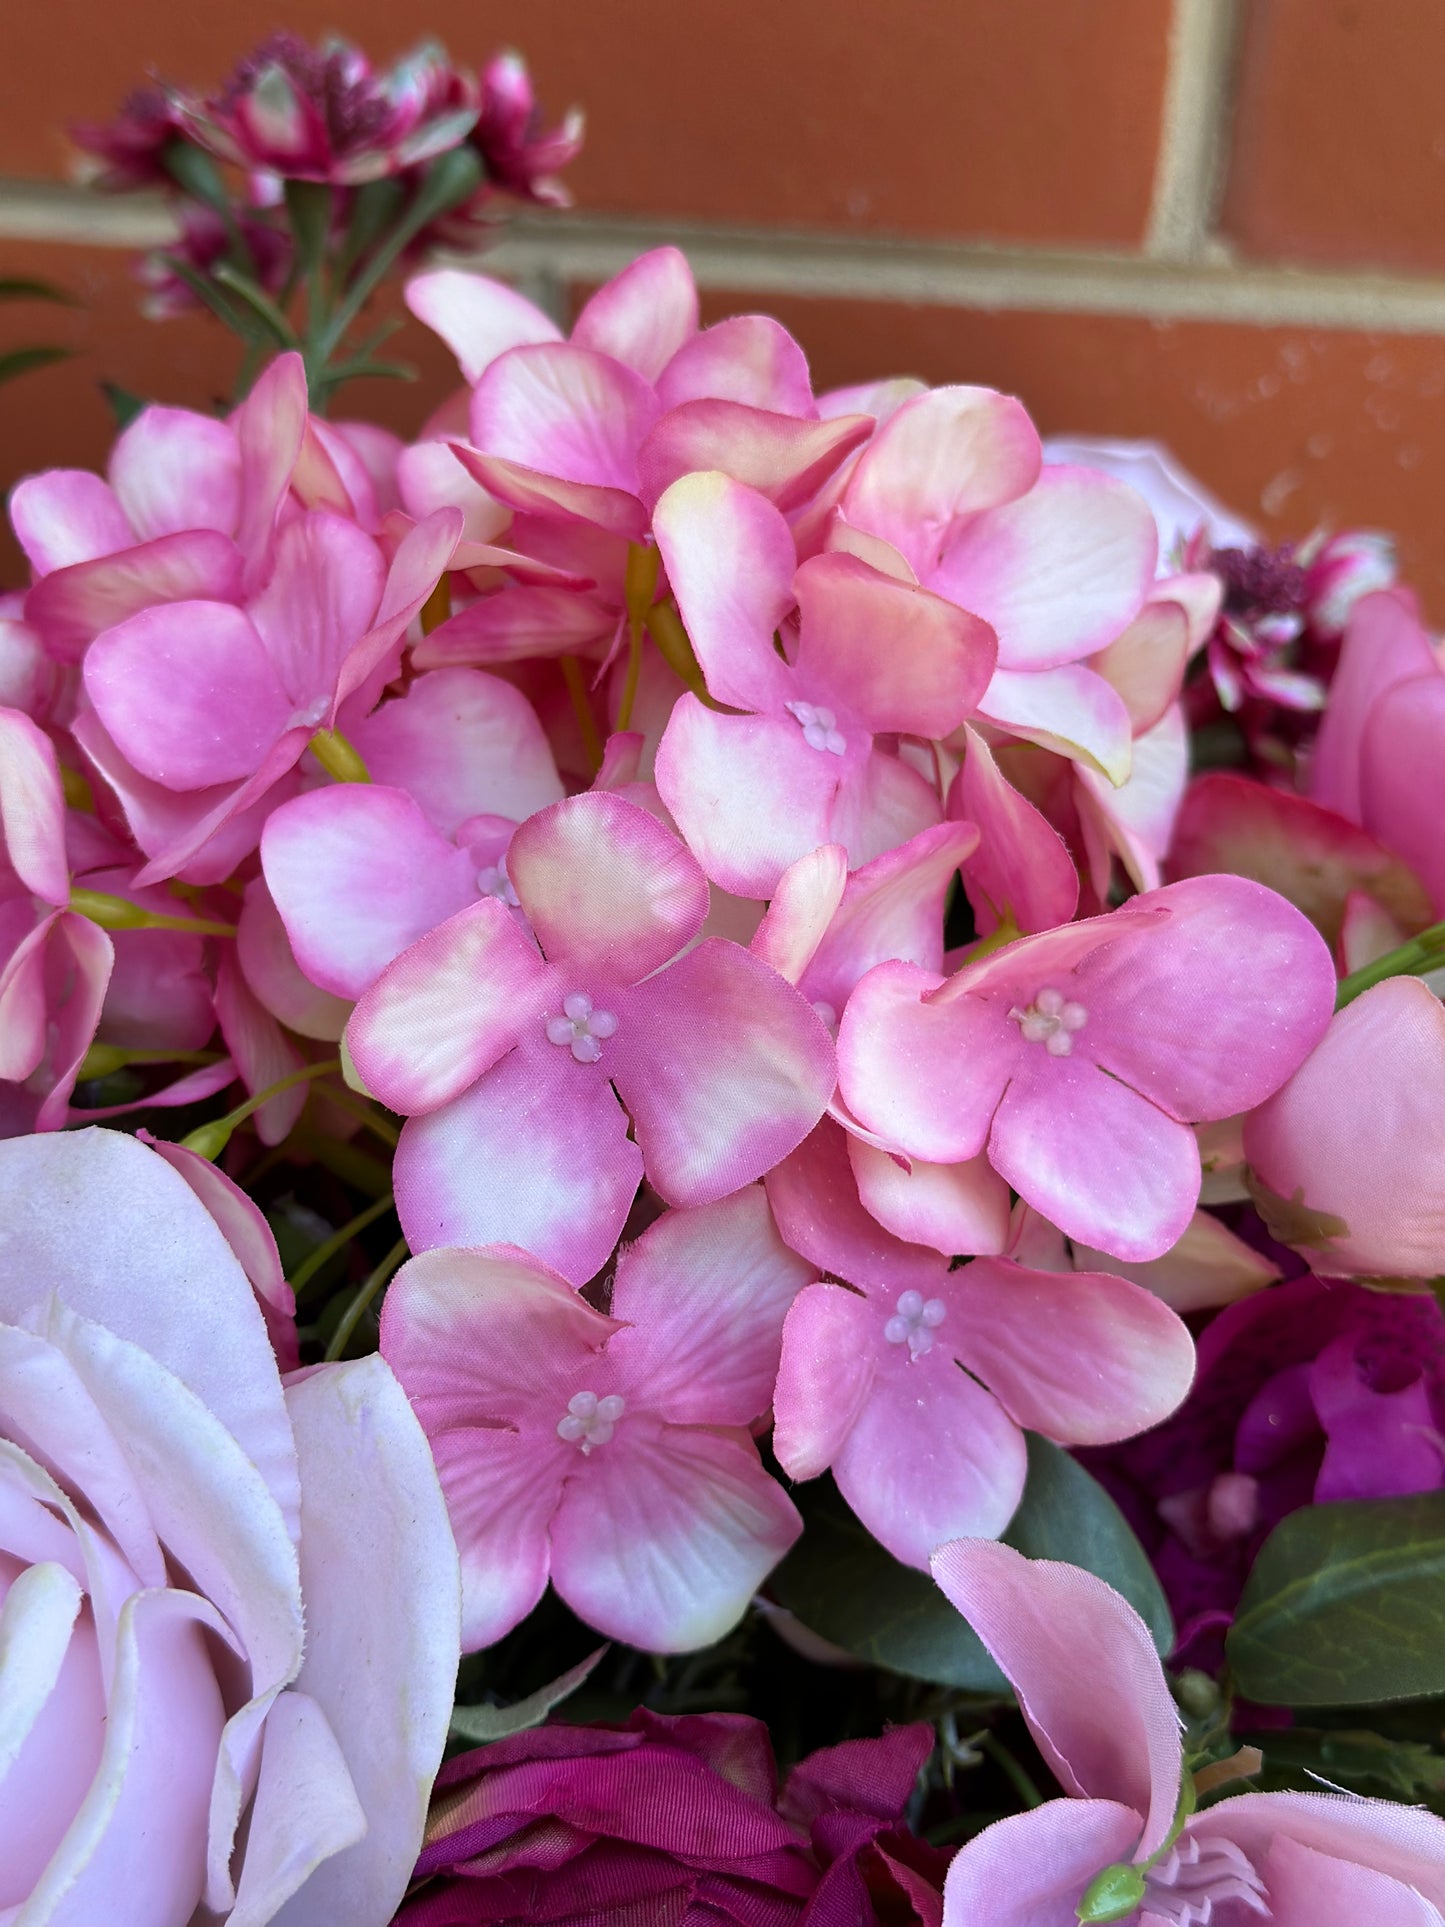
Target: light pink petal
[747,792]
[320,600]
[730,560]
[941,457]
[703,1295]
[304,1810]
[25,985]
[1244,1033]
[535,493]
[825,1376]
[188,692]
[883,803]
[1031,1869]
[502,1491]
[72,606]
[1311,1889]
[1104,1164]
[932,1456]
[447,1009]
[359,874]
[515,625]
[564,411]
[173,469]
[1108,1727]
[724,1067]
[425,554]
[803,904]
[605,887]
[1060,572]
[1071,711]
[561,1170]
[783,458]
[1402,780]
[159,995]
[1146,663]
[32,808]
[892,910]
[1021,868]
[1083,1357]
[65,516]
[955,1208]
[642,316]
[815,1201]
[1208,1266]
[379,1575]
[262,1051]
[748,358]
[880,399]
[1353,1146]
[669,1534]
[430,477]
[270,428]
[82,957]
[54,1707]
[1385,644]
[1135,821]
[476,317]
[270,966]
[1405,1842]
[894,655]
[928,1077]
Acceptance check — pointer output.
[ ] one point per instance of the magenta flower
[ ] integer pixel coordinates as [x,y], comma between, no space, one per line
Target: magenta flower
[1078,1059]
[513,1059]
[610,1454]
[131,149]
[1119,1848]
[678,1819]
[884,1378]
[869,656]
[1307,1393]
[521,157]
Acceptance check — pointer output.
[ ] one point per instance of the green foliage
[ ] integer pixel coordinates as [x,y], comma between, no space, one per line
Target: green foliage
[1345,1606]
[478,1724]
[20,361]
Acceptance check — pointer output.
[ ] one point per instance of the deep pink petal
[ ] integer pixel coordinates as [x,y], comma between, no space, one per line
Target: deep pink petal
[319,602]
[447,1009]
[1031,1869]
[476,317]
[173,469]
[1070,710]
[67,515]
[942,456]
[24,999]
[159,996]
[32,808]
[748,358]
[188,692]
[892,654]
[515,625]
[1021,867]
[272,971]
[642,316]
[783,458]
[80,957]
[1402,780]
[1385,644]
[606,887]
[1082,1357]
[561,1171]
[502,1492]
[270,428]
[564,411]
[883,802]
[955,1208]
[1059,572]
[724,1067]
[1108,1728]
[358,875]
[669,1534]
[815,1201]
[534,492]
[825,1376]
[703,1295]
[72,606]
[425,554]
[261,1050]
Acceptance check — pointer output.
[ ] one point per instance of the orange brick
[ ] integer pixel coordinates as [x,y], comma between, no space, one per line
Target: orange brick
[1020,119]
[1339,138]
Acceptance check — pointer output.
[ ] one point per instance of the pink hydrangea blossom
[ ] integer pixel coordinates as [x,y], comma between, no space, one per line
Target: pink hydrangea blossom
[1109,1731]
[609,1453]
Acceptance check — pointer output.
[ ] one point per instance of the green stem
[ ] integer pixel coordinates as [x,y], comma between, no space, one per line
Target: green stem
[364,1114]
[351,1317]
[118,913]
[259,302]
[1411,959]
[324,1253]
[581,704]
[337,757]
[1018,1779]
[211,1139]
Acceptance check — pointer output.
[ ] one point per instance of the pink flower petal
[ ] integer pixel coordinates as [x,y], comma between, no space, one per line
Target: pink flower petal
[502,1491]
[1404,1842]
[1031,1869]
[748,358]
[358,874]
[1402,783]
[447,1009]
[815,1201]
[81,956]
[1135,821]
[430,477]
[942,456]
[724,1067]
[1207,1267]
[564,411]
[269,963]
[66,516]
[426,552]
[478,318]
[32,809]
[1084,1358]
[882,803]
[72,606]
[562,1172]
[1021,867]
[703,1295]
[188,692]
[1385,644]
[606,887]
[644,315]
[825,1377]
[173,469]
[304,1810]
[669,1534]
[262,1051]
[783,458]
[1312,1889]
[955,1208]
[1146,663]
[534,492]
[516,625]
[270,428]
[894,655]
[1071,710]
[319,601]
[1108,1728]
[803,904]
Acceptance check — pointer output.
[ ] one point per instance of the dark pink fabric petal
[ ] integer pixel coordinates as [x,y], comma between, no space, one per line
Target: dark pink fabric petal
[72,606]
[815,1200]
[783,458]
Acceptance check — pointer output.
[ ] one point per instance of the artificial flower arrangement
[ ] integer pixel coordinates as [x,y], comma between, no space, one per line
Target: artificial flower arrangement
[768,1065]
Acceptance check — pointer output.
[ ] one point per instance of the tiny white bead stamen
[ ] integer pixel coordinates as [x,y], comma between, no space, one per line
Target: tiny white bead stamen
[590,1420]
[493,881]
[914,1322]
[581,1027]
[1051,1020]
[1192,1881]
[819,727]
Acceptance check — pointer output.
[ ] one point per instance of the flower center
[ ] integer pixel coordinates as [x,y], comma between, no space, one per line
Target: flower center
[1051,1020]
[581,1026]
[914,1323]
[590,1420]
[819,727]
[1195,1878]
[493,881]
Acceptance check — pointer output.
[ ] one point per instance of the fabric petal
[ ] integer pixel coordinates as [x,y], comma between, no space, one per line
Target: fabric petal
[534,493]
[64,516]
[1407,1843]
[303,1811]
[270,968]
[825,1377]
[642,316]
[173,469]
[270,428]
[1385,644]
[803,905]
[783,458]
[478,318]
[72,606]
[430,477]
[1021,867]
[263,1054]
[815,1201]
[1311,1889]
[1070,710]
[32,809]
[748,358]
[1401,784]
[955,1208]
[516,625]
[1031,1869]
[564,411]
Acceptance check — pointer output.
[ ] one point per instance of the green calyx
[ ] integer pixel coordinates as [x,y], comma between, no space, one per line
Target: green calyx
[1114,1894]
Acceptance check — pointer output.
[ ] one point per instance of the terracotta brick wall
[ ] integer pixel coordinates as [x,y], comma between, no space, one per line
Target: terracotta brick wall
[1220,222]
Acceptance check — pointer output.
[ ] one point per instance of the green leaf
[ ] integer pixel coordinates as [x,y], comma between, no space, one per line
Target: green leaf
[123,404]
[842,1584]
[480,1724]
[20,361]
[15,287]
[1346,1605]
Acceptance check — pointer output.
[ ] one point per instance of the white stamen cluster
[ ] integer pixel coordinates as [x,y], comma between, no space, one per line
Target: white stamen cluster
[590,1420]
[1051,1020]
[914,1322]
[493,881]
[581,1027]
[819,727]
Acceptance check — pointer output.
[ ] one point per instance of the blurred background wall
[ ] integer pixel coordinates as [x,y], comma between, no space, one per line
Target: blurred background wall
[1216,222]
